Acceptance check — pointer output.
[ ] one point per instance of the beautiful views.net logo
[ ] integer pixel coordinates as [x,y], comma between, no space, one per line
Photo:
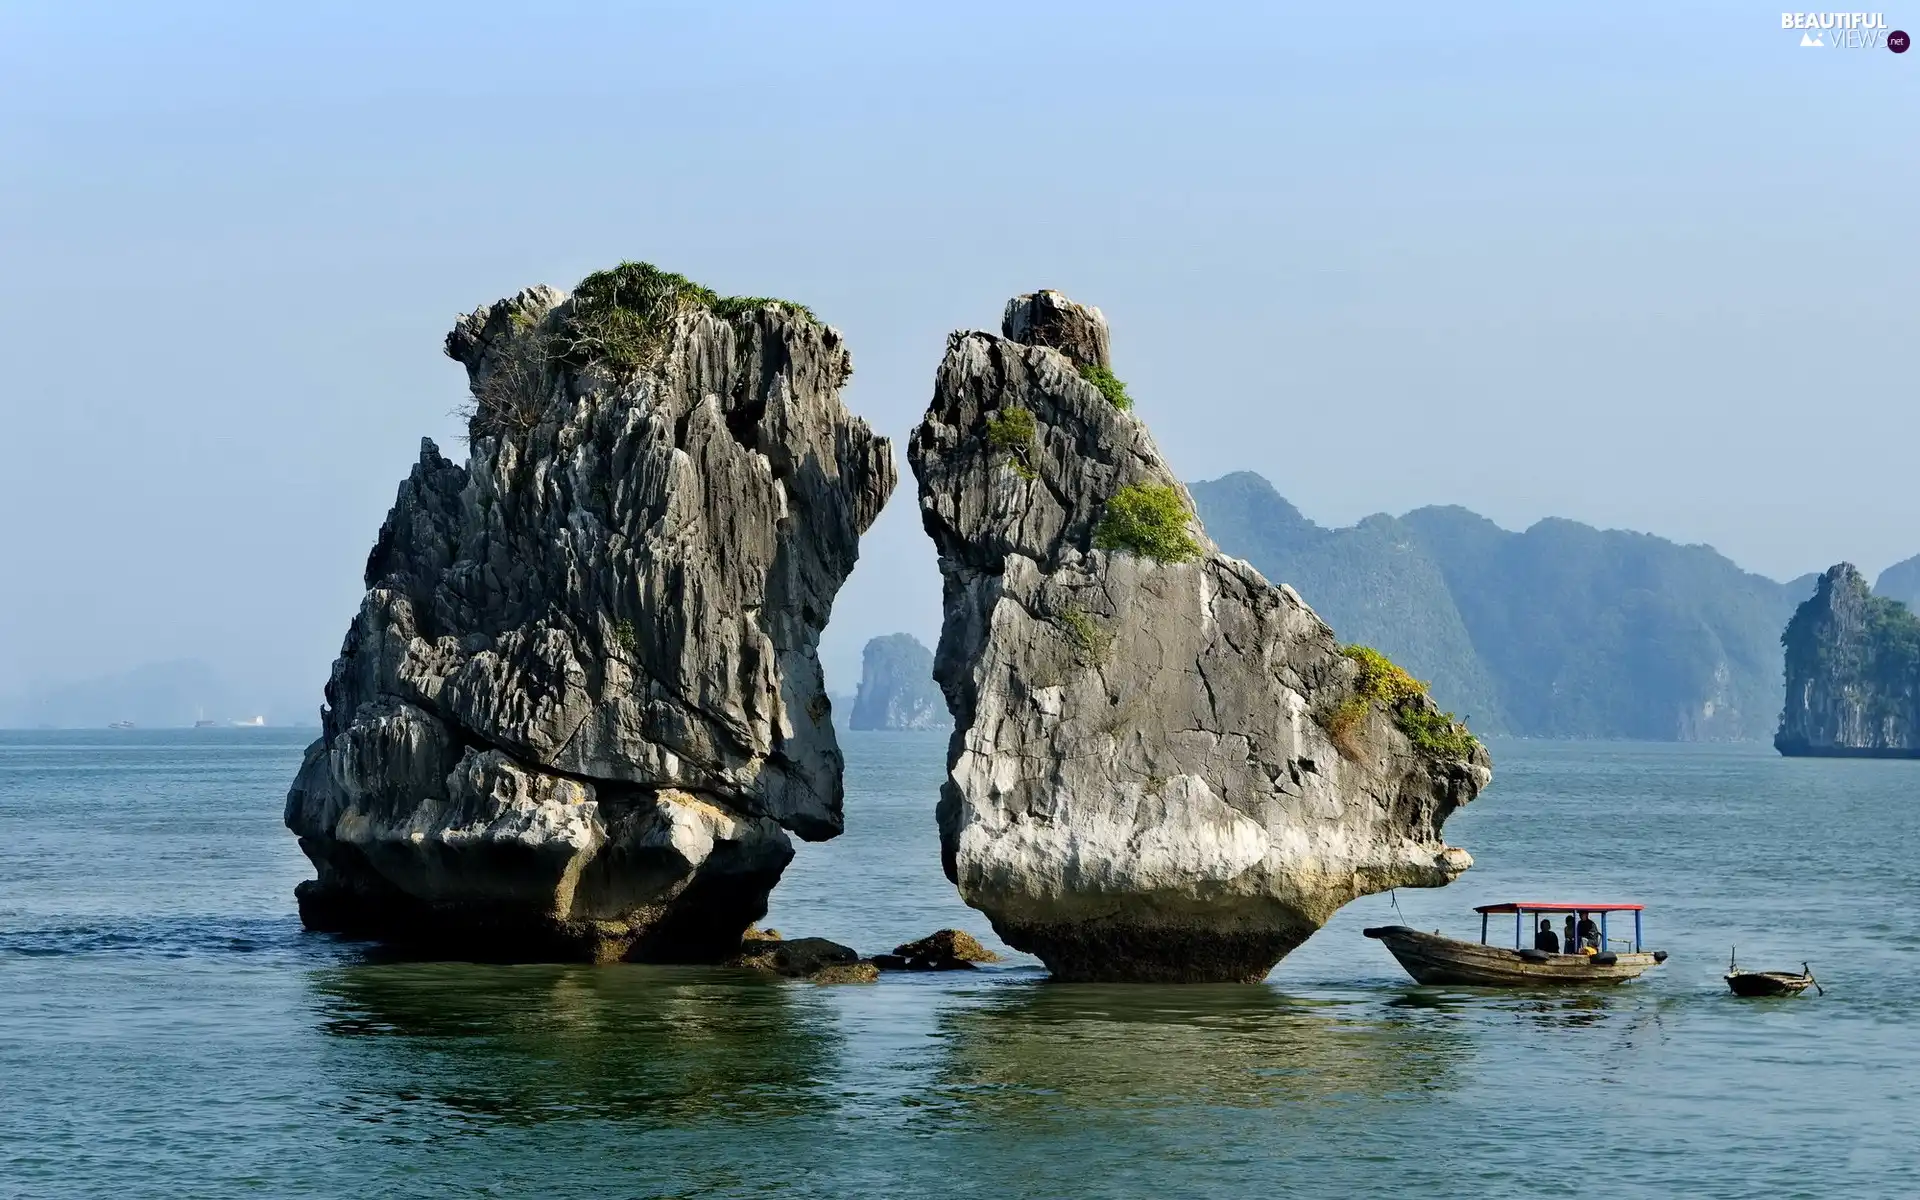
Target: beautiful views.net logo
[1851,31]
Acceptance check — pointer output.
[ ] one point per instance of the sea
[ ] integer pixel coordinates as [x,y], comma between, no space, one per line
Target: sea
[168,1029]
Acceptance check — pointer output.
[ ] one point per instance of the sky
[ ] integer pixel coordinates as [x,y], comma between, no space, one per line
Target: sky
[1644,268]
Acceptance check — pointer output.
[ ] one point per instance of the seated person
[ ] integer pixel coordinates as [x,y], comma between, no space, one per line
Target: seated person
[1589,932]
[1545,939]
[1570,939]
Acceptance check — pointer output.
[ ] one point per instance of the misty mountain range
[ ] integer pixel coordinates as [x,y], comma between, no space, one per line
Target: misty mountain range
[152,696]
[1562,630]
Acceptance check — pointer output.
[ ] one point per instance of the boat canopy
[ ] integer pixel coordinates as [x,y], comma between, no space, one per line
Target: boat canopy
[1555,906]
[1521,909]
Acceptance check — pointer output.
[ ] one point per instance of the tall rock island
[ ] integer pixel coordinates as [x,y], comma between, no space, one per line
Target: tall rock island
[1163,766]
[580,710]
[896,686]
[1853,673]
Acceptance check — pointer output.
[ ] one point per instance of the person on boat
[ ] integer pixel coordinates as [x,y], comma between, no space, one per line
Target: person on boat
[1569,939]
[1545,939]
[1589,932]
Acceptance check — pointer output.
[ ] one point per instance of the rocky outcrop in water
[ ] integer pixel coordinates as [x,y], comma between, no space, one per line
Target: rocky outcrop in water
[896,687]
[580,711]
[1164,767]
[1853,674]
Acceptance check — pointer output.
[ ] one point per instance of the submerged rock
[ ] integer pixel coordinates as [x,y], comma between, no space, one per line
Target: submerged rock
[580,710]
[1163,766]
[896,687]
[1853,674]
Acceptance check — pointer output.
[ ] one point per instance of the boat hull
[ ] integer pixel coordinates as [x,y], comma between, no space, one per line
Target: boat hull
[1430,958]
[1768,983]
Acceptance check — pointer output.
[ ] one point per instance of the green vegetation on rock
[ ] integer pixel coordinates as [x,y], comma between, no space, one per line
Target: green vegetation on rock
[1109,385]
[1014,431]
[729,307]
[1383,681]
[1148,519]
[622,317]
[1090,642]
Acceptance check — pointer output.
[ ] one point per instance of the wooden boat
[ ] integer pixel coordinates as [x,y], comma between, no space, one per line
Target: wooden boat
[1434,959]
[1771,983]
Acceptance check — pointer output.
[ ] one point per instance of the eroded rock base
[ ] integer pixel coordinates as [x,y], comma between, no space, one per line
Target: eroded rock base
[698,927]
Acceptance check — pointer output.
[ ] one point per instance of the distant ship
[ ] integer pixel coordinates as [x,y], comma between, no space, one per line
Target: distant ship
[203,723]
[120,725]
[251,723]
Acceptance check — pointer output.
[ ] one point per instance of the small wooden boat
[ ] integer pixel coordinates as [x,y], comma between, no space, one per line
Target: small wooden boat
[1433,959]
[1771,983]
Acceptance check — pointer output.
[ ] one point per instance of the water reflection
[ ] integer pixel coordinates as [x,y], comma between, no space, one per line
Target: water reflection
[1550,1008]
[1043,1048]
[663,1047]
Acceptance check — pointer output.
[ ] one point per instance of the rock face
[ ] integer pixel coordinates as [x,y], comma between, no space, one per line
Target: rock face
[580,709]
[1142,781]
[896,687]
[1853,674]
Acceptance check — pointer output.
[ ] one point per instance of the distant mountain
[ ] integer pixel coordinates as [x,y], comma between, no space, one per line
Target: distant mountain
[1901,582]
[1559,631]
[1373,582]
[155,695]
[897,690]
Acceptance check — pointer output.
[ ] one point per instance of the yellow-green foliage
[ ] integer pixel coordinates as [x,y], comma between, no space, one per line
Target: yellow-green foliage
[1014,431]
[1383,681]
[621,317]
[1148,519]
[1343,724]
[1090,642]
[1109,385]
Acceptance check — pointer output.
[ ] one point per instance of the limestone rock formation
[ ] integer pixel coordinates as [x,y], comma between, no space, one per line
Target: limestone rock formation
[1853,673]
[896,687]
[580,709]
[1163,766]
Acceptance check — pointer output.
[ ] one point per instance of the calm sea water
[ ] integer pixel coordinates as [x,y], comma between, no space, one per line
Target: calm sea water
[166,1028]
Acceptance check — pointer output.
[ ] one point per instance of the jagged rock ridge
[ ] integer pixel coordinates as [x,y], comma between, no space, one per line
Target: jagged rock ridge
[1853,673]
[1160,769]
[580,708]
[896,686]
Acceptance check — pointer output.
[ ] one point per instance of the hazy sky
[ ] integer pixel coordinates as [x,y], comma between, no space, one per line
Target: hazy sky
[1640,267]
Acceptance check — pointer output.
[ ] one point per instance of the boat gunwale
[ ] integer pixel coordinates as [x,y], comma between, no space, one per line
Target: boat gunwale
[1435,959]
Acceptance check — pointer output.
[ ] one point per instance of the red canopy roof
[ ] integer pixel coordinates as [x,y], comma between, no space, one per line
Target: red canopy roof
[1555,906]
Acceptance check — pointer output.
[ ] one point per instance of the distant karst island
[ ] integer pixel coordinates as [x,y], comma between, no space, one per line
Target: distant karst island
[1853,671]
[897,690]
